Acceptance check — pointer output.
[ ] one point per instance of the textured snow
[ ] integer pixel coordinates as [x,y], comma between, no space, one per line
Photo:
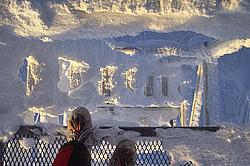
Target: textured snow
[100,19]
[159,38]
[228,146]
[54,95]
[220,48]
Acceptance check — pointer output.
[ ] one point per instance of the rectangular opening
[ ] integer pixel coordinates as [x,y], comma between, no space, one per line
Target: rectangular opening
[164,85]
[73,70]
[75,79]
[129,76]
[148,89]
[106,84]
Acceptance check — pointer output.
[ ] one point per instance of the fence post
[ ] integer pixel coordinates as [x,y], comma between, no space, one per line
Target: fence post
[1,153]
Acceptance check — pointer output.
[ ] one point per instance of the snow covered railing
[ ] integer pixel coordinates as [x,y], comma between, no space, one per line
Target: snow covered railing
[151,131]
[110,107]
[29,147]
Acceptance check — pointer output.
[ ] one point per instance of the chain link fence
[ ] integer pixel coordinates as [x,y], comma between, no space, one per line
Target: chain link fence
[42,153]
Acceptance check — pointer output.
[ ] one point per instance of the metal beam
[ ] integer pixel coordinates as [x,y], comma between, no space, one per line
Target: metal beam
[144,131]
[151,131]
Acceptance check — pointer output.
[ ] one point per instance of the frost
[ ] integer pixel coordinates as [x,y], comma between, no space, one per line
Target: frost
[142,7]
[183,113]
[106,84]
[129,80]
[33,75]
[43,111]
[46,39]
[197,100]
[26,17]
[47,114]
[71,70]
[112,100]
[231,5]
[167,51]
[126,50]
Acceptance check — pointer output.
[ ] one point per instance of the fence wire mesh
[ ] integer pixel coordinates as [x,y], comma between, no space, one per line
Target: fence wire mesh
[43,153]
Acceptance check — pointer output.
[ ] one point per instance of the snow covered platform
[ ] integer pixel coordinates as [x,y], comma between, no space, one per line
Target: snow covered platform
[31,146]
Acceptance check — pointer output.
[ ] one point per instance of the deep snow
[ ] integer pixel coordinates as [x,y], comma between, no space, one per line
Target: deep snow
[157,38]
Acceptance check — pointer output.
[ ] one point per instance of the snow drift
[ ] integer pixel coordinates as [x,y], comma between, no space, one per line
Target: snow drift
[59,54]
[101,19]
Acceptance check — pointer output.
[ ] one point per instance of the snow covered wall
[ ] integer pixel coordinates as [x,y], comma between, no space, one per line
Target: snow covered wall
[56,76]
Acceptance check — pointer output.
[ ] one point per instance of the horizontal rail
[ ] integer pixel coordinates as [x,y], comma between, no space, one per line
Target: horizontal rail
[144,131]
[151,131]
[140,107]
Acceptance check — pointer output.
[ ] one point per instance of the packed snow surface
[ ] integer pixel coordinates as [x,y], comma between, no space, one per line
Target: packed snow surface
[228,146]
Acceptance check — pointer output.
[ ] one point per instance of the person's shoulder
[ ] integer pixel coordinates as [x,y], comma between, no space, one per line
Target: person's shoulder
[64,154]
[72,153]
